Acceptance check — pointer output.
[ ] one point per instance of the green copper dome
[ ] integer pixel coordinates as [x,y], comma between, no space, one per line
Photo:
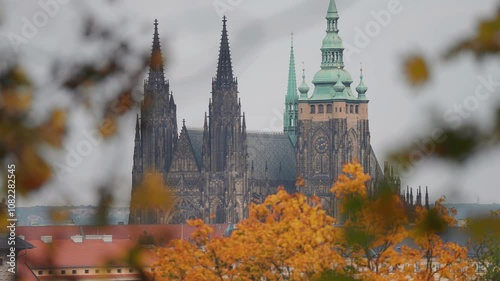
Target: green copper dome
[331,76]
[332,41]
[339,86]
[303,88]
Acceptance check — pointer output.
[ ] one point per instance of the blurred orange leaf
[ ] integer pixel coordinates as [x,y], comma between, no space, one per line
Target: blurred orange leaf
[416,70]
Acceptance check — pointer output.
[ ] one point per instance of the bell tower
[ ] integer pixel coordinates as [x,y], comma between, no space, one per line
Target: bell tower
[156,129]
[224,142]
[332,127]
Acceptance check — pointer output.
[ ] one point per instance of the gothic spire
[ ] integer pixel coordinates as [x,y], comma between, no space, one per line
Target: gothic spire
[172,102]
[137,129]
[137,146]
[426,197]
[156,70]
[291,99]
[411,196]
[224,67]
[291,93]
[156,62]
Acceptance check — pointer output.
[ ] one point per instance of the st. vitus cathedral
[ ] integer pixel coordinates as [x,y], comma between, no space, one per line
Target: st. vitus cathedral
[218,171]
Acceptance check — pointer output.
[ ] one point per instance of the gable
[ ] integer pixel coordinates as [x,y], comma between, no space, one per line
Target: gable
[184,159]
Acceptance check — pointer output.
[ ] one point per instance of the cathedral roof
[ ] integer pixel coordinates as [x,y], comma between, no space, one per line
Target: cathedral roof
[274,149]
[196,137]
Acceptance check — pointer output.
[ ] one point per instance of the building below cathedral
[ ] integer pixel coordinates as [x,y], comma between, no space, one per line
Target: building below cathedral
[217,171]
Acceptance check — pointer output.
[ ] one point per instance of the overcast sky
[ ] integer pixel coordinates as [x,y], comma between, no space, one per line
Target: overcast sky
[259,34]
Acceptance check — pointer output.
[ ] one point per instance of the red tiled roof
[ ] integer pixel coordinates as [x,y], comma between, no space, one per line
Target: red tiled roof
[63,252]
[161,233]
[89,253]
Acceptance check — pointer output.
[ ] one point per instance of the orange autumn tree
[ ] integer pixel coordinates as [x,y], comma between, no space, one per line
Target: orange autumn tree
[285,238]
[433,258]
[373,225]
[290,237]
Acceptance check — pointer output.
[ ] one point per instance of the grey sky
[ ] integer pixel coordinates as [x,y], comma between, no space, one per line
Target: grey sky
[260,43]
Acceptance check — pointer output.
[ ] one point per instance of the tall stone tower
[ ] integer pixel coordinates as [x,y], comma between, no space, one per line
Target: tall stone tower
[156,129]
[291,101]
[332,125]
[224,150]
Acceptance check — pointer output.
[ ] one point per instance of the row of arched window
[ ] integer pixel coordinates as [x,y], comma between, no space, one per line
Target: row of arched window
[349,109]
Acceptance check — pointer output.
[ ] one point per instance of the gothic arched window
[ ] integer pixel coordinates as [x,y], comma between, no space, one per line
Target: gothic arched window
[321,108]
[328,108]
[313,109]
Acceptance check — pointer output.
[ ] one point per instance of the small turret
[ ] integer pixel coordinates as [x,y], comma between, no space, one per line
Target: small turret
[339,86]
[303,88]
[361,89]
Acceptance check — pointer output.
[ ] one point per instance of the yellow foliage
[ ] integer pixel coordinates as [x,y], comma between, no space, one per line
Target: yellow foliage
[290,237]
[283,238]
[32,171]
[153,193]
[54,129]
[417,71]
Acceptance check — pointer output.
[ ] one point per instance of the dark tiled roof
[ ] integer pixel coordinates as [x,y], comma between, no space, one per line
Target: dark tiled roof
[196,137]
[274,148]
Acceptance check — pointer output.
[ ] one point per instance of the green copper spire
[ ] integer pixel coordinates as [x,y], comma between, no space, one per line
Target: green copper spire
[332,63]
[303,88]
[291,99]
[332,11]
[291,93]
[361,88]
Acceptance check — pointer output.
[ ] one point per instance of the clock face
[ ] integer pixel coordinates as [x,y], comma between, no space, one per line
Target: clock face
[321,145]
